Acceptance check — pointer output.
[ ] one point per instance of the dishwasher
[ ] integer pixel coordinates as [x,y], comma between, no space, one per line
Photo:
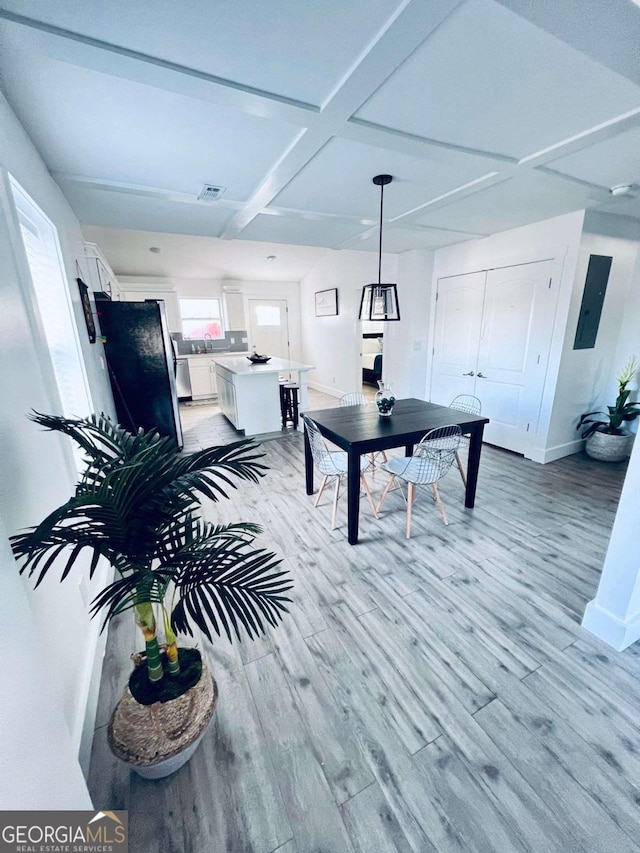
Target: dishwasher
[183,382]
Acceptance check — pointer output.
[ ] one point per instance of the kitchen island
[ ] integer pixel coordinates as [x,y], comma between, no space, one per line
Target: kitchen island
[249,394]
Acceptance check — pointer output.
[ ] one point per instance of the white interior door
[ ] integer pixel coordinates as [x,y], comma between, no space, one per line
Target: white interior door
[457,336]
[517,321]
[269,327]
[492,339]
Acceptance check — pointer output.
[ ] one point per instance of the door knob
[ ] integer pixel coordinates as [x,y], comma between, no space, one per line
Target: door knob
[470,373]
[481,376]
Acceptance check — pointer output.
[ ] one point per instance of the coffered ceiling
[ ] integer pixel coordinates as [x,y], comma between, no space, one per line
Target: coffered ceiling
[489,115]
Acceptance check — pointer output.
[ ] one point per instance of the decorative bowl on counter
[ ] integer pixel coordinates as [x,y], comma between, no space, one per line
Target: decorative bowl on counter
[254,358]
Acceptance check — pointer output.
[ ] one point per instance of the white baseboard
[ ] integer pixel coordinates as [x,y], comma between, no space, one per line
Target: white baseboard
[550,454]
[326,389]
[612,630]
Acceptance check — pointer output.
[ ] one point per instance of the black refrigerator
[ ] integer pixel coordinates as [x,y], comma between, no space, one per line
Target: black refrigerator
[142,366]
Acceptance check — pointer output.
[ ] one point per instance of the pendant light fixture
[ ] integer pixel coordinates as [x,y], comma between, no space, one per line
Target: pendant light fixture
[380,301]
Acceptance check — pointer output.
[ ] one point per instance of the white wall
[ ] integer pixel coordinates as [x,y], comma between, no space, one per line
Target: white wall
[614,614]
[406,341]
[558,239]
[332,344]
[38,475]
[587,378]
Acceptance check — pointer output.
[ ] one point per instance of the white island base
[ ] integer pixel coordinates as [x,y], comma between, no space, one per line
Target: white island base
[249,394]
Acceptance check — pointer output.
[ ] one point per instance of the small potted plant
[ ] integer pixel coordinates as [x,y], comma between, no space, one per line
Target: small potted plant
[137,506]
[607,440]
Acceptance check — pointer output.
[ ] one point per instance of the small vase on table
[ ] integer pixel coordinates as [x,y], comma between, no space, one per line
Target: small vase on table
[384,399]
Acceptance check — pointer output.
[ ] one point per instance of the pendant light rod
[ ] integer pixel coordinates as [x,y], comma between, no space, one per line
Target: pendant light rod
[380,301]
[381,181]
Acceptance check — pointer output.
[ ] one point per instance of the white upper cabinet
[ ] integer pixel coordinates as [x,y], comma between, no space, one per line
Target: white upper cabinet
[101,277]
[137,292]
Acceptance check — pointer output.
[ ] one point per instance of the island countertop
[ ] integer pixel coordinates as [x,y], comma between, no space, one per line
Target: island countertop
[243,367]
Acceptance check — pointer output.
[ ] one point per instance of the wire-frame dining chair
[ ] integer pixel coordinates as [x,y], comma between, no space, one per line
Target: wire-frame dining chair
[333,464]
[472,405]
[353,398]
[432,458]
[357,398]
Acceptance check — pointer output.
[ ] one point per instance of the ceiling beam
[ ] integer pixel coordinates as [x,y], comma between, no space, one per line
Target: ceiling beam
[413,24]
[87,52]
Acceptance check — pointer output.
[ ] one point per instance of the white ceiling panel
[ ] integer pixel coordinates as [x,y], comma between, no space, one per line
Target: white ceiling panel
[625,206]
[308,232]
[96,125]
[295,49]
[397,239]
[483,116]
[607,163]
[502,205]
[339,180]
[124,210]
[201,257]
[489,80]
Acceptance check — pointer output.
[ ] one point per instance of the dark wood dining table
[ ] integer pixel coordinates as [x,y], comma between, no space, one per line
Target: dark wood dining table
[360,429]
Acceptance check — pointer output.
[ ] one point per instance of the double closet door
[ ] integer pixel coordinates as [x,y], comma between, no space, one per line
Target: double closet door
[492,339]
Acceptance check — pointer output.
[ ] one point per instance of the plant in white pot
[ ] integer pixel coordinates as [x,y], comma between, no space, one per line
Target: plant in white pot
[607,440]
[137,505]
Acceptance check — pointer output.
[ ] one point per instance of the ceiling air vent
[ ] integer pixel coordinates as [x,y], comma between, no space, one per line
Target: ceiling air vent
[210,192]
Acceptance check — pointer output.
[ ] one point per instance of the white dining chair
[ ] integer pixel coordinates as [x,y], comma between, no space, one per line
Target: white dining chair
[353,398]
[432,458]
[333,464]
[357,398]
[471,404]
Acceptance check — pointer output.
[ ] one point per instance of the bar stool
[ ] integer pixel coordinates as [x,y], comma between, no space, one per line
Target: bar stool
[289,404]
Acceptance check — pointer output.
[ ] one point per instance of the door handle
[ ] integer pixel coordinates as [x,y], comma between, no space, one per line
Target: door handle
[481,376]
[470,373]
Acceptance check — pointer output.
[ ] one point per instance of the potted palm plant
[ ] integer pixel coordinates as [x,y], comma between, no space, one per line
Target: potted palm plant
[607,440]
[137,505]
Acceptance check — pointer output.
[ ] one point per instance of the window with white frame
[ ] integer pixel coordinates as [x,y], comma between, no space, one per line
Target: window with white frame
[201,318]
[53,304]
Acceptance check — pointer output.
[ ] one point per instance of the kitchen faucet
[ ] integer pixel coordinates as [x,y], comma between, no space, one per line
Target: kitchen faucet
[208,343]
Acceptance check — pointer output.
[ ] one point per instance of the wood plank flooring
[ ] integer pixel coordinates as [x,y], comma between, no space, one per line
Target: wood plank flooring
[433,695]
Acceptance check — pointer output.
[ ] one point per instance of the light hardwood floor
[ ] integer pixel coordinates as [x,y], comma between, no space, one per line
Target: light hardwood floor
[429,695]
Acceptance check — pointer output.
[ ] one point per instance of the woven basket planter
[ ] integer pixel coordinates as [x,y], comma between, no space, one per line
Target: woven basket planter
[156,740]
[607,447]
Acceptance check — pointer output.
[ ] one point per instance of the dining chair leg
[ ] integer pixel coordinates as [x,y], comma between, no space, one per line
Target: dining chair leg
[410,499]
[436,494]
[392,480]
[321,489]
[335,504]
[365,486]
[461,469]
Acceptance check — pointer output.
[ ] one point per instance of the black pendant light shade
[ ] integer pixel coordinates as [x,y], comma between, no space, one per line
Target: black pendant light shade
[380,301]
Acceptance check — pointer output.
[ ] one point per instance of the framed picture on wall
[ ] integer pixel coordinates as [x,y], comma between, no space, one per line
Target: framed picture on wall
[327,302]
[86,308]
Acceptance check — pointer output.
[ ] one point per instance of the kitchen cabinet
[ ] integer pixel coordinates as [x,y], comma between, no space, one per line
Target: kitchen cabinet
[234,310]
[135,292]
[227,396]
[202,373]
[100,276]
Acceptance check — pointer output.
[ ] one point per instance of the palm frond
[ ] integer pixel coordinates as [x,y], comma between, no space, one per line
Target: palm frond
[136,505]
[226,585]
